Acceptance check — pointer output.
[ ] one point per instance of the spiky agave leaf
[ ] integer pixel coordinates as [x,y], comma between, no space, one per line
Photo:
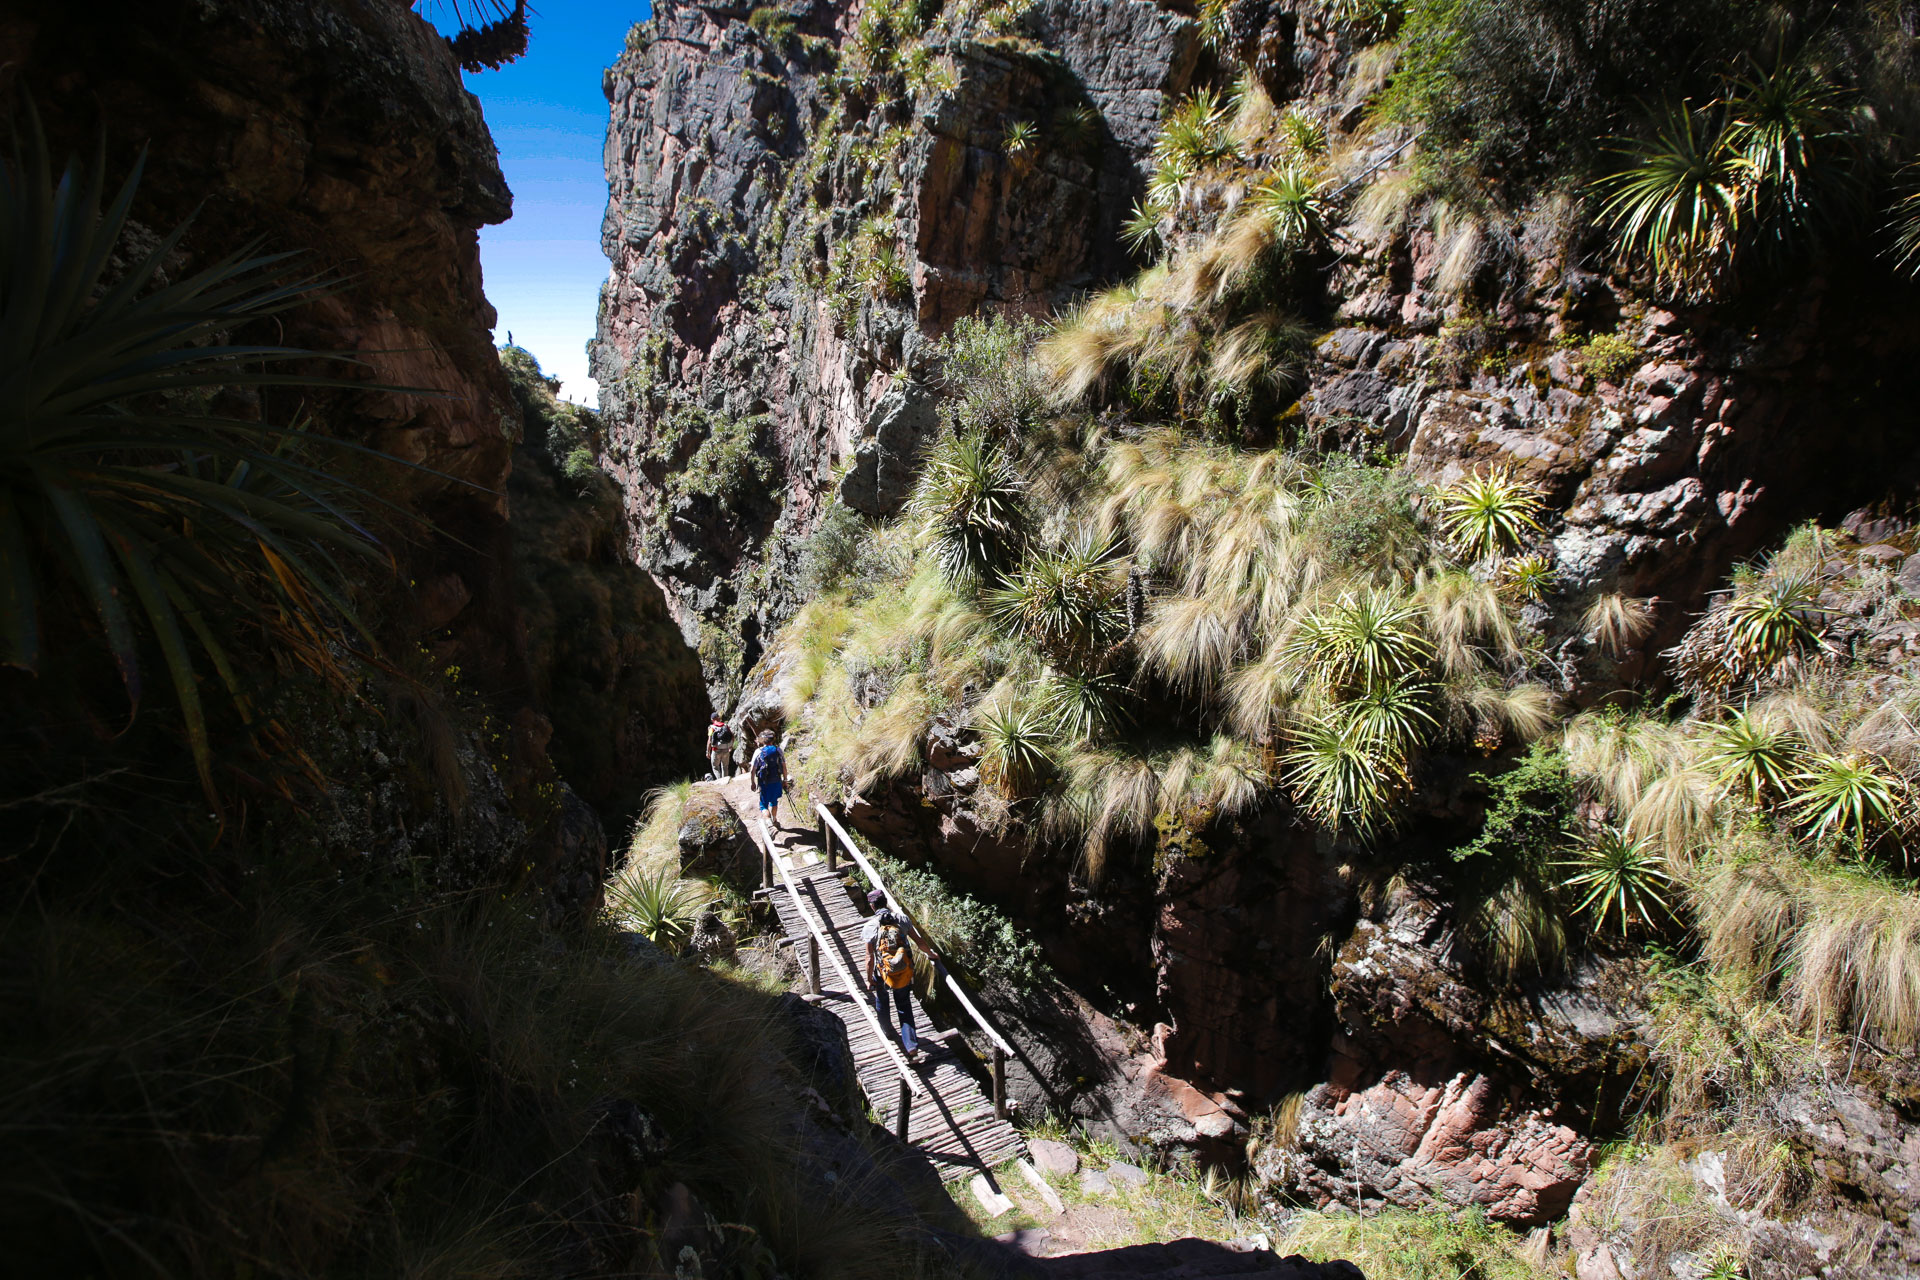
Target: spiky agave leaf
[1292,202]
[1678,198]
[1396,713]
[1362,640]
[1065,601]
[178,526]
[1141,230]
[968,505]
[1623,879]
[1491,513]
[1016,743]
[1851,796]
[1752,755]
[1789,125]
[658,905]
[1086,705]
[1342,776]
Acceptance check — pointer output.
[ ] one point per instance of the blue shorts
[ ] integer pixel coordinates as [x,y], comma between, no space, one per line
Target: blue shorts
[769,794]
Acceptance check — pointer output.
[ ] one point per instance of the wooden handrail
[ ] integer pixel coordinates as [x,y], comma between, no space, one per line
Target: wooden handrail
[908,1078]
[953,985]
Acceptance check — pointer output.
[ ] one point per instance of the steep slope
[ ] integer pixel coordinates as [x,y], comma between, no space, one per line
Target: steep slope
[798,203]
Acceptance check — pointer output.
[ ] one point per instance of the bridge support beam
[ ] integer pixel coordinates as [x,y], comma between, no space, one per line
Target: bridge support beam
[813,964]
[999,1082]
[902,1113]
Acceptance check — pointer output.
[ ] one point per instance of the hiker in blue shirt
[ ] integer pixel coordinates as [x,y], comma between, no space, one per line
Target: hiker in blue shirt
[769,774]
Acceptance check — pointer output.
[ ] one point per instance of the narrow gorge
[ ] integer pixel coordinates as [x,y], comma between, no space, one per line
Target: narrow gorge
[1351,564]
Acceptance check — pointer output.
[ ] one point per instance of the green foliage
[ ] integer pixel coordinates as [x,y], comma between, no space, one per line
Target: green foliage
[1016,742]
[1195,136]
[1529,811]
[832,550]
[657,904]
[1849,796]
[775,25]
[1678,198]
[1292,200]
[1065,601]
[973,936]
[1752,755]
[988,372]
[1407,1244]
[1141,230]
[1084,705]
[1344,777]
[1624,879]
[731,462]
[1529,577]
[1608,355]
[1522,92]
[1021,135]
[181,529]
[969,508]
[1361,642]
[568,435]
[1490,515]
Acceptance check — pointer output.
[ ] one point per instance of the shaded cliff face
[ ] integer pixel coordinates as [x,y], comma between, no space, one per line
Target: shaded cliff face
[789,226]
[342,131]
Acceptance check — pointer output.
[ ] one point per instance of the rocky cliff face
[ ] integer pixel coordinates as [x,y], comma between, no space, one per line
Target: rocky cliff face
[793,216]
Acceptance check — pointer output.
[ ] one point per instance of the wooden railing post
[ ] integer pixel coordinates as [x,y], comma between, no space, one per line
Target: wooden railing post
[826,842]
[905,1110]
[766,865]
[813,964]
[999,1082]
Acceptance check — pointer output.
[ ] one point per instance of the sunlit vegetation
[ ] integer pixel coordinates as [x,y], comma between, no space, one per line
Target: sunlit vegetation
[1149,632]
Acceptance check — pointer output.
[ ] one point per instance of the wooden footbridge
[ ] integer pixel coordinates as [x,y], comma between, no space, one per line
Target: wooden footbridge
[938,1106]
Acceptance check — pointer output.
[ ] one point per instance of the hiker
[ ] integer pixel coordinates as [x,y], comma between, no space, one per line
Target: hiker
[890,968]
[719,748]
[769,775]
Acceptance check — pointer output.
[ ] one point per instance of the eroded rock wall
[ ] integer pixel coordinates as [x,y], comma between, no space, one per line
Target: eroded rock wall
[786,236]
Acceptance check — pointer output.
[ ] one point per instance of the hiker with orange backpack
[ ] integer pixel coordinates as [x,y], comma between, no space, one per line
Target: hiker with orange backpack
[890,969]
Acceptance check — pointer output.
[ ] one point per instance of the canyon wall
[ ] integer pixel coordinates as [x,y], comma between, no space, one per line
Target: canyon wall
[787,236]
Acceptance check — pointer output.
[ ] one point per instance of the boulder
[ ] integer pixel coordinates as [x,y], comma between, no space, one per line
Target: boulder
[1056,1158]
[714,842]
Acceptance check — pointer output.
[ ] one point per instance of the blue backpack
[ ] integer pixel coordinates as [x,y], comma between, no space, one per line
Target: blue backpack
[767,764]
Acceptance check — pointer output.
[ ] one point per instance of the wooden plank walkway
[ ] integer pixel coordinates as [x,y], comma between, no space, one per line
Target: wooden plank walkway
[953,1123]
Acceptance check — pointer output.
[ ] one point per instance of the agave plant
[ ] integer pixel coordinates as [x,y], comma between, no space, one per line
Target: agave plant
[1906,231]
[968,504]
[1489,515]
[1141,231]
[1851,796]
[1304,133]
[1016,744]
[1195,135]
[177,527]
[1790,128]
[1343,776]
[1084,706]
[1623,878]
[1361,641]
[1531,578]
[1752,755]
[1678,199]
[658,905]
[1065,601]
[1021,136]
[1396,714]
[1292,201]
[1775,620]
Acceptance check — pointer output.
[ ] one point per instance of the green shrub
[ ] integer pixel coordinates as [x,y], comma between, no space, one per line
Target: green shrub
[1606,356]
[977,938]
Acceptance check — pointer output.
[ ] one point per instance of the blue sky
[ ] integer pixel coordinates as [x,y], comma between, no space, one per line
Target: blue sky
[543,268]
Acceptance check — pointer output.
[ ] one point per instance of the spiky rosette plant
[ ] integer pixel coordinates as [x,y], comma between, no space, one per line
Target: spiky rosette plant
[968,505]
[1488,515]
[136,515]
[1678,198]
